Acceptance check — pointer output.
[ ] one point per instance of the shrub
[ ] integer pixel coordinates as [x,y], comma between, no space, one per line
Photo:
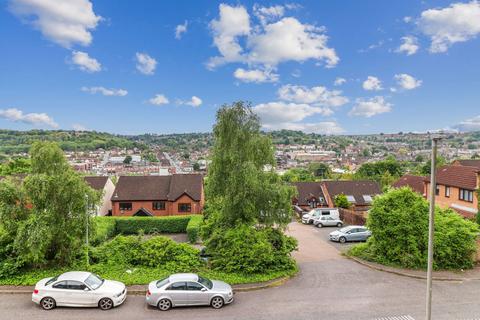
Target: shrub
[193,228]
[103,229]
[121,250]
[399,224]
[341,201]
[149,225]
[248,250]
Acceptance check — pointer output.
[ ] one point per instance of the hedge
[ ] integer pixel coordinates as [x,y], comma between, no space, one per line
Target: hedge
[193,228]
[148,225]
[104,229]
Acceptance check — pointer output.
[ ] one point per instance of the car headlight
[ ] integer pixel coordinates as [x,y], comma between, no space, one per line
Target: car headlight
[118,294]
[230,294]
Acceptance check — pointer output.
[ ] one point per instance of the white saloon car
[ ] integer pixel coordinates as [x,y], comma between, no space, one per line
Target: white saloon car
[79,289]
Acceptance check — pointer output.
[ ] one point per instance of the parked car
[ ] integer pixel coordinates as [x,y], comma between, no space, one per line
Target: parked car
[350,233]
[327,221]
[79,289]
[188,289]
[313,214]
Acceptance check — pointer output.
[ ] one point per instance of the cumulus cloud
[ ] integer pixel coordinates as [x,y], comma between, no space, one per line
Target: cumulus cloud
[339,81]
[79,127]
[66,23]
[273,113]
[269,43]
[16,115]
[325,127]
[370,107]
[409,45]
[255,75]
[458,22]
[194,102]
[407,82]
[180,30]
[145,63]
[158,100]
[85,63]
[472,124]
[317,96]
[105,91]
[372,84]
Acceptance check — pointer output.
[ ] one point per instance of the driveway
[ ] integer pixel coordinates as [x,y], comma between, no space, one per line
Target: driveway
[328,286]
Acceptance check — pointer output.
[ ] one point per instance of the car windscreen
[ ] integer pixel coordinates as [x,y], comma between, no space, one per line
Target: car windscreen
[160,283]
[52,280]
[94,281]
[206,282]
[346,229]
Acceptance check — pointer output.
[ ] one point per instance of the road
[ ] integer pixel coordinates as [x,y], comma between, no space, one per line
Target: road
[328,286]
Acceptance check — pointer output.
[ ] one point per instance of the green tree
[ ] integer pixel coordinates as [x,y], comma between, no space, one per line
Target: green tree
[320,170]
[297,175]
[16,166]
[341,201]
[44,217]
[425,169]
[196,166]
[384,171]
[127,159]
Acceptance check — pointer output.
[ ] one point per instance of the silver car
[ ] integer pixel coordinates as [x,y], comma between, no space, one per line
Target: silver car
[327,221]
[188,289]
[350,233]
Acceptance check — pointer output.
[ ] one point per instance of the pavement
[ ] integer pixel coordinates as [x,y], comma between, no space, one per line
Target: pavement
[328,286]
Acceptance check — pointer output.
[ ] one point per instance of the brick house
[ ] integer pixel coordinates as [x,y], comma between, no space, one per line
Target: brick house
[106,187]
[178,194]
[416,183]
[457,187]
[359,193]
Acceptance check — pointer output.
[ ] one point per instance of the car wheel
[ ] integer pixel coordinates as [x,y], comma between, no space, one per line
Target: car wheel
[48,303]
[217,302]
[164,304]
[339,224]
[342,239]
[105,304]
[319,225]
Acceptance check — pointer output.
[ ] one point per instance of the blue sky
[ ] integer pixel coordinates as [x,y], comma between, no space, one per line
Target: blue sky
[333,67]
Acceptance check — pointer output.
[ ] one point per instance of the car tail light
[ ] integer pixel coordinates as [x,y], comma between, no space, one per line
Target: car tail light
[35,291]
[148,292]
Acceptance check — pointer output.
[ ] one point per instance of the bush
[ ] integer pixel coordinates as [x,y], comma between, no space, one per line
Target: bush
[104,228]
[193,228]
[248,250]
[399,224]
[158,252]
[149,225]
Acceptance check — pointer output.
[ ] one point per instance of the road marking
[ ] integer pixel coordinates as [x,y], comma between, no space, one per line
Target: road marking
[396,318]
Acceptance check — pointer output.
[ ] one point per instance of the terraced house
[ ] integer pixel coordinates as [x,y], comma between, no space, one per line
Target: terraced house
[158,195]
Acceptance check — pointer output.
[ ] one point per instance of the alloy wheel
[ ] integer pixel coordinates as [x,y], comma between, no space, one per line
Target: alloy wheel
[342,240]
[164,304]
[48,303]
[106,304]
[217,302]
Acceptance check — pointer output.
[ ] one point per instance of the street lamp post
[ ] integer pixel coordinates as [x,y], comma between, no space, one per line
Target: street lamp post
[431,224]
[86,228]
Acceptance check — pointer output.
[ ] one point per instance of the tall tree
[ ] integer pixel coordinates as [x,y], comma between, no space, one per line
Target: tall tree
[320,170]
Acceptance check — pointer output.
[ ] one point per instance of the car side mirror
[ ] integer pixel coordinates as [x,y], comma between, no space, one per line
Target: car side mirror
[86,289]
[204,289]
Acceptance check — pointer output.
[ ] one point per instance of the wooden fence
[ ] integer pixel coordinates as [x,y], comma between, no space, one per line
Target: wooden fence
[352,217]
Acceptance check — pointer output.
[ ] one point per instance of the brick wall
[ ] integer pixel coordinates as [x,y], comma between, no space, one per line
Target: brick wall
[171,208]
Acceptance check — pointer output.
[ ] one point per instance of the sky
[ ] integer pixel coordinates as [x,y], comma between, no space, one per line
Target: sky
[328,67]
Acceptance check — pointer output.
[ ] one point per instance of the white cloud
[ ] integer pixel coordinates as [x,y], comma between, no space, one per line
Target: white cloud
[194,102]
[66,23]
[181,29]
[316,96]
[372,84]
[145,63]
[407,82]
[85,62]
[273,113]
[267,14]
[409,45]
[446,26]
[255,75]
[105,91]
[325,127]
[472,124]
[158,100]
[79,127]
[339,81]
[268,43]
[370,107]
[17,115]
[407,19]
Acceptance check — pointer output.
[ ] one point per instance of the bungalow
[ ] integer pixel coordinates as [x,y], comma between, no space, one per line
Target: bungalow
[457,187]
[359,193]
[178,194]
[105,185]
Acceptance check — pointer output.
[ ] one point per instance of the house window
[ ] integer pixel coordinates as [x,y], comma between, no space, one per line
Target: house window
[466,195]
[158,205]
[125,206]
[437,190]
[184,207]
[447,192]
[351,199]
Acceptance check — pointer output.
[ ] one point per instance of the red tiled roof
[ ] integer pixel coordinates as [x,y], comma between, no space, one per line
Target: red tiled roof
[97,183]
[470,163]
[457,176]
[307,190]
[355,188]
[416,183]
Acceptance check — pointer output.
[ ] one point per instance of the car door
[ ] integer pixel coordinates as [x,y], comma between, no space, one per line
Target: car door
[197,294]
[79,293]
[177,292]
[60,293]
[329,221]
[352,234]
[363,234]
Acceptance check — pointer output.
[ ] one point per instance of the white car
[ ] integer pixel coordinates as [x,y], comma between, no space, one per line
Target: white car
[327,221]
[79,289]
[314,214]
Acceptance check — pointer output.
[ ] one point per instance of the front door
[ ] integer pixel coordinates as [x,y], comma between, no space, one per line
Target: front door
[196,295]
[80,294]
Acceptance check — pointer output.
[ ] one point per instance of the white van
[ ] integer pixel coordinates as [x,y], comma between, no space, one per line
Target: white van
[316,213]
